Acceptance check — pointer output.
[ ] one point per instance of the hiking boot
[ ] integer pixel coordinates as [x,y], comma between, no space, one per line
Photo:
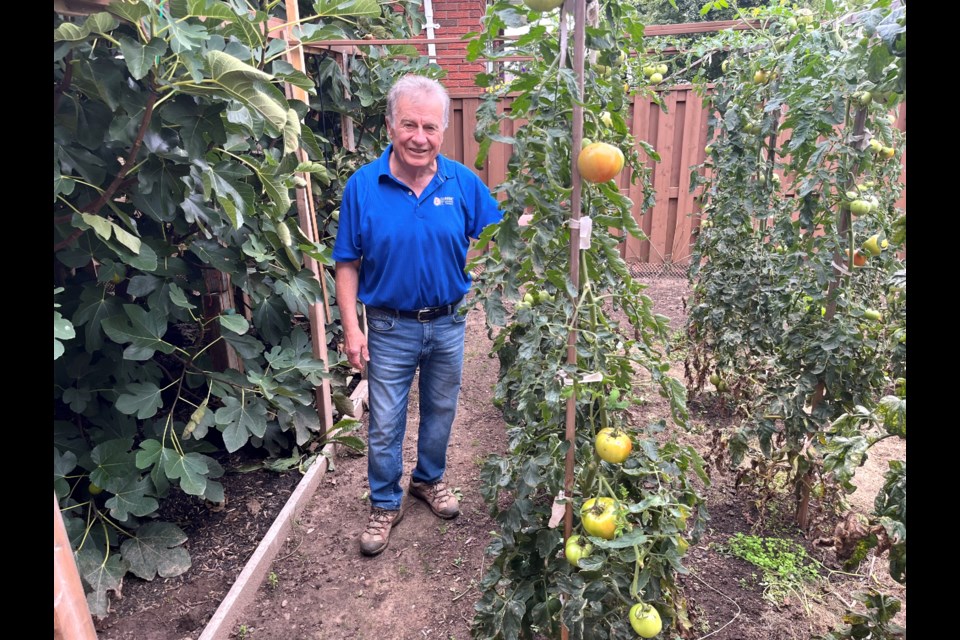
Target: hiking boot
[376,536]
[440,499]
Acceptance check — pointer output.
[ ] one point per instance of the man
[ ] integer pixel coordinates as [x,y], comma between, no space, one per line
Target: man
[406,221]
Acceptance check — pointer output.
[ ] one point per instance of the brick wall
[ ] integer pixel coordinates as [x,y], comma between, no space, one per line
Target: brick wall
[456,17]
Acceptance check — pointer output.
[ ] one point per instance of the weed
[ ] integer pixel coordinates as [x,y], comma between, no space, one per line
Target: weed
[785,564]
[458,562]
[443,528]
[403,570]
[273,580]
[242,632]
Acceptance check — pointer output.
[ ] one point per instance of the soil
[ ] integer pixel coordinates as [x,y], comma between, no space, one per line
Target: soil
[426,583]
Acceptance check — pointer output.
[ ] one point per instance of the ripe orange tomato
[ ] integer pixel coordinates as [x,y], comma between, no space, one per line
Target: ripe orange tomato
[599,162]
[859,259]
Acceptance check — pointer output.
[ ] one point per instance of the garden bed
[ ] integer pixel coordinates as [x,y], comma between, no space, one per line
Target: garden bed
[426,583]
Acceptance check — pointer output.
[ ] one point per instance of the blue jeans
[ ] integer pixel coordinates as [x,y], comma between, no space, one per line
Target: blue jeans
[397,347]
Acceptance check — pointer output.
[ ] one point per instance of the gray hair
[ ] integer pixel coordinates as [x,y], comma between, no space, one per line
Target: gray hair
[410,85]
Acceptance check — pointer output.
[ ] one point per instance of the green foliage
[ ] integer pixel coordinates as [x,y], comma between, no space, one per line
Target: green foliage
[785,564]
[875,623]
[176,154]
[532,304]
[778,309]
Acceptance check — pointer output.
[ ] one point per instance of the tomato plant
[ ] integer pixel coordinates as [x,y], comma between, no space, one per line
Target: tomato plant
[616,334]
[613,445]
[811,347]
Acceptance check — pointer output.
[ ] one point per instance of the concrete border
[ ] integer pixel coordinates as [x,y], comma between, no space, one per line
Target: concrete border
[245,588]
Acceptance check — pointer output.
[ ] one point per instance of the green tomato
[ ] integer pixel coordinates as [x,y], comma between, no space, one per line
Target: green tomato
[613,445]
[94,489]
[599,517]
[645,620]
[543,5]
[577,548]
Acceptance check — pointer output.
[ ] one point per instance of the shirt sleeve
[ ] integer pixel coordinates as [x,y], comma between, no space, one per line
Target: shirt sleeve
[485,208]
[347,247]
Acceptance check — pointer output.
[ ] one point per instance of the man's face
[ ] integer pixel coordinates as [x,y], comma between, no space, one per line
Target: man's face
[416,130]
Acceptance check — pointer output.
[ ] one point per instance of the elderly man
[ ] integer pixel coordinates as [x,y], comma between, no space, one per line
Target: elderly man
[406,221]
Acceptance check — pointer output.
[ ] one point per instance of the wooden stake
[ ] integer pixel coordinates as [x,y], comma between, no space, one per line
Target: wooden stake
[579,45]
[318,329]
[71,616]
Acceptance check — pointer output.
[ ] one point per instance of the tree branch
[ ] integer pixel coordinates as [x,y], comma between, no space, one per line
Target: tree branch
[118,180]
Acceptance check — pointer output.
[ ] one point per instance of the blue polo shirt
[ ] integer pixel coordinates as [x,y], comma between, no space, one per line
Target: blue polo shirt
[413,250]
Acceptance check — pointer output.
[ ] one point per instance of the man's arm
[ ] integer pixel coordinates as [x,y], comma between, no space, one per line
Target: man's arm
[354,340]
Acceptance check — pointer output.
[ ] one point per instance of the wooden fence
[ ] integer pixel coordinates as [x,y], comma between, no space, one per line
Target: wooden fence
[679,136]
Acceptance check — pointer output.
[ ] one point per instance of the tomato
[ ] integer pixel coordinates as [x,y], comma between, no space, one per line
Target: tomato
[599,162]
[577,548]
[761,77]
[599,516]
[714,379]
[874,245]
[613,445]
[649,70]
[656,78]
[860,207]
[94,489]
[873,314]
[543,5]
[875,145]
[887,152]
[606,118]
[645,620]
[662,69]
[859,259]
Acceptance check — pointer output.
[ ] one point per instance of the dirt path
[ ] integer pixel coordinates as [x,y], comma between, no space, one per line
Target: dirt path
[424,584]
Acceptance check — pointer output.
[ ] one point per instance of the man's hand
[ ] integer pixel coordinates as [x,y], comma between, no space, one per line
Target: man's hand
[355,346]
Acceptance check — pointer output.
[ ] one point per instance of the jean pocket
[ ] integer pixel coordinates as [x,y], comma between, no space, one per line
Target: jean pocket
[460,313]
[380,321]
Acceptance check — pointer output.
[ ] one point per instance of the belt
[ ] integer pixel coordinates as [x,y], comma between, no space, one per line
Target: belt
[426,314]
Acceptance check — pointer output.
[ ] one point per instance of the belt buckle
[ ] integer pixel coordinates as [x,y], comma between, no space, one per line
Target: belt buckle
[420,314]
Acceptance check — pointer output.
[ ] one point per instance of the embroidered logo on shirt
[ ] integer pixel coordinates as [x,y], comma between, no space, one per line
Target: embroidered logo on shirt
[445,200]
